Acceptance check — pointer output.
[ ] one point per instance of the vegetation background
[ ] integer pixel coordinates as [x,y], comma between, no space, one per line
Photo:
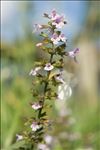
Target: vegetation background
[19,52]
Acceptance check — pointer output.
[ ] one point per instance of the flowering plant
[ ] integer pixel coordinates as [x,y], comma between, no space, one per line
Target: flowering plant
[48,74]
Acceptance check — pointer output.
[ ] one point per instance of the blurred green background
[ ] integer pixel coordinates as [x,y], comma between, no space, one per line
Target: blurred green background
[18,53]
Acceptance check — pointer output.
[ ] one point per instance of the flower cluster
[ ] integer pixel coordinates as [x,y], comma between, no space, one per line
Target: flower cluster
[56,38]
[57,20]
[54,44]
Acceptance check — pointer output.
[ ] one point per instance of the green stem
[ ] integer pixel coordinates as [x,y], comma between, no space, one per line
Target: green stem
[46,85]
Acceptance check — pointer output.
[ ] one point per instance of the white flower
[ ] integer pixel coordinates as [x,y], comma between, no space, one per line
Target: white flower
[42,147]
[62,37]
[37,27]
[39,44]
[33,72]
[55,38]
[19,137]
[48,67]
[64,91]
[36,106]
[48,139]
[35,126]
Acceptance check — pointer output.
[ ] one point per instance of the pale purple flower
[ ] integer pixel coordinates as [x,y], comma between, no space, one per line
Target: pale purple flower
[59,21]
[36,106]
[35,126]
[34,72]
[73,53]
[48,67]
[39,44]
[48,139]
[62,37]
[43,147]
[53,15]
[59,78]
[19,137]
[55,38]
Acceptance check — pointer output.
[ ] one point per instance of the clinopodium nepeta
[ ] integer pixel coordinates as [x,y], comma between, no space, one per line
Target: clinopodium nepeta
[47,74]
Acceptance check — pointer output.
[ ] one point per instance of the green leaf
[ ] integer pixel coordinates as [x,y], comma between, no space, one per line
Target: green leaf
[58,32]
[43,114]
[43,34]
[46,41]
[60,47]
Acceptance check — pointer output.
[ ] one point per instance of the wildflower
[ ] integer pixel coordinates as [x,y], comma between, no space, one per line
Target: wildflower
[62,37]
[59,78]
[64,91]
[19,137]
[48,67]
[34,72]
[58,22]
[43,147]
[35,126]
[53,15]
[73,53]
[55,38]
[36,106]
[48,139]
[37,27]
[39,44]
